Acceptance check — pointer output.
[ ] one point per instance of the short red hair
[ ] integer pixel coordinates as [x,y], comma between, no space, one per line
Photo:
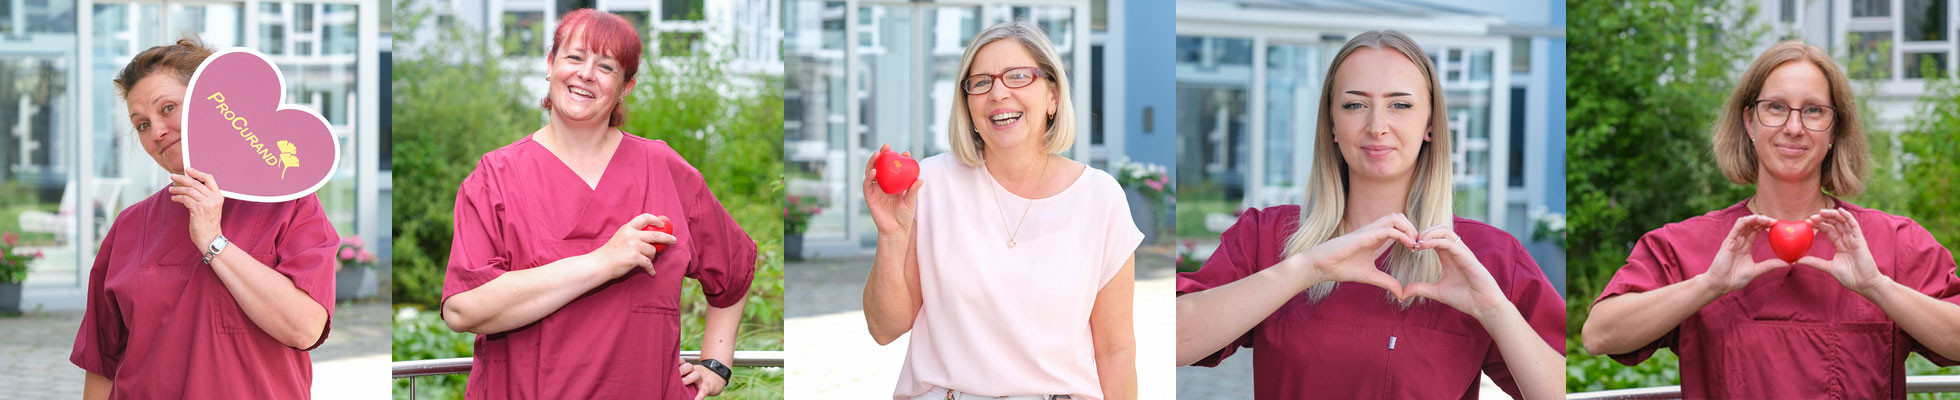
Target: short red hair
[605,33]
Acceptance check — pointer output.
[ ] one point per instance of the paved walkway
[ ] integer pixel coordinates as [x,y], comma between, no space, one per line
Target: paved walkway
[831,355]
[353,363]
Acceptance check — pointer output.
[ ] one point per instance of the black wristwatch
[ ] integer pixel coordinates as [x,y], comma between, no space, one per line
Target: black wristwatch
[719,368]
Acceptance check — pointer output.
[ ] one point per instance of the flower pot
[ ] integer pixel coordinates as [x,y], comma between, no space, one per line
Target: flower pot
[10,297]
[1143,212]
[349,281]
[793,247]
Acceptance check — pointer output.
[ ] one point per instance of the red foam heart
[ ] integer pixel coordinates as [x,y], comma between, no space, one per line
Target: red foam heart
[896,172]
[1791,239]
[667,229]
[238,129]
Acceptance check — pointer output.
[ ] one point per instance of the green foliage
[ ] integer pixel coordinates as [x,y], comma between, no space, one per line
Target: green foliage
[1590,373]
[421,335]
[728,127]
[1640,112]
[1926,162]
[452,102]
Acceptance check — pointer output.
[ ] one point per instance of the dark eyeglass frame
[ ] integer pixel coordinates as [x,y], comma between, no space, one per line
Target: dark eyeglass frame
[966,84]
[1757,109]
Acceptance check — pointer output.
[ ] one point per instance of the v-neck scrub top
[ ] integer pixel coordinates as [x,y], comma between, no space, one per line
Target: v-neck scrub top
[1001,321]
[523,208]
[1356,343]
[1793,332]
[162,325]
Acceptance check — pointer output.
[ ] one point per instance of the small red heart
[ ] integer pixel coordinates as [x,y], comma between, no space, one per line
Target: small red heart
[896,172]
[667,229]
[1791,239]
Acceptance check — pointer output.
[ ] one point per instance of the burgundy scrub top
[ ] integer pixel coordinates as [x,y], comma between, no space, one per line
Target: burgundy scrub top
[523,208]
[1793,332]
[1355,343]
[162,326]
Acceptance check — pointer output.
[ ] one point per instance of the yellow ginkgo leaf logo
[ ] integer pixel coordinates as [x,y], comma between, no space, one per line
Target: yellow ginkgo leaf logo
[288,155]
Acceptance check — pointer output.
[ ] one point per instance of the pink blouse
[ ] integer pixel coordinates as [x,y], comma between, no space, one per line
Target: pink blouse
[1002,321]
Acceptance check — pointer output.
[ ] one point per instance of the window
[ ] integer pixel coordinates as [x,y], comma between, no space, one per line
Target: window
[1788,11]
[1871,55]
[1925,20]
[272,28]
[681,10]
[1521,55]
[1925,65]
[1871,8]
[527,28]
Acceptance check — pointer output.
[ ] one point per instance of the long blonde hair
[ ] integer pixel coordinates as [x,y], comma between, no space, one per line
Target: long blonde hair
[1430,193]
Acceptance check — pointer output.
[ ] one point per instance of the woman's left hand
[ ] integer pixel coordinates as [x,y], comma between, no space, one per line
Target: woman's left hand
[707,380]
[1853,265]
[198,191]
[1464,283]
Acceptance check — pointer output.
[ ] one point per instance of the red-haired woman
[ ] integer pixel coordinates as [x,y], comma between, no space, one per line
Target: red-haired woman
[555,264]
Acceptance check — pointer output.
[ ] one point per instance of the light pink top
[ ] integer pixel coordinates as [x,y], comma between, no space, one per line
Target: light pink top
[1001,321]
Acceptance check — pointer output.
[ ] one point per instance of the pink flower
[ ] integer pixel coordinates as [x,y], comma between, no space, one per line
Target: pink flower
[347,254]
[11,238]
[38,254]
[1154,185]
[365,257]
[356,239]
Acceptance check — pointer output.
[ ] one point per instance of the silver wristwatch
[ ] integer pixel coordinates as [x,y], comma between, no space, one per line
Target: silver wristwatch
[217,246]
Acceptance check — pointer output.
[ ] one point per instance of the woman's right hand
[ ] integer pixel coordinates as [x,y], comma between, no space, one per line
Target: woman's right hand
[1733,266]
[892,212]
[631,247]
[1351,257]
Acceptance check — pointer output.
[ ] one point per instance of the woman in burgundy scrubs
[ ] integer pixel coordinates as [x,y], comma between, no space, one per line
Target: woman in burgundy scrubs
[554,263]
[192,296]
[1872,287]
[1377,212]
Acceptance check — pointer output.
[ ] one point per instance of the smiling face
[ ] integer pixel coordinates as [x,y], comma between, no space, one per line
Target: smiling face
[1791,152]
[154,103]
[1380,114]
[1010,117]
[585,84]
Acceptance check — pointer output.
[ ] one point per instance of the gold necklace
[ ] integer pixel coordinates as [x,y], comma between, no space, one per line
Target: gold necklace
[1754,209]
[1001,210]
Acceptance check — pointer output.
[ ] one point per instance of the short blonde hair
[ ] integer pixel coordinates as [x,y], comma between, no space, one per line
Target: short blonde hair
[1849,158]
[1432,193]
[967,144]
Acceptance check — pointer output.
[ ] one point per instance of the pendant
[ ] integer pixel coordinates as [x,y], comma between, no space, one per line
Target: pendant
[1010,243]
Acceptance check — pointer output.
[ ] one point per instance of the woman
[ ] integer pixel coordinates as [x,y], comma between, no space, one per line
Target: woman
[1748,325]
[1377,213]
[1014,269]
[554,263]
[204,298]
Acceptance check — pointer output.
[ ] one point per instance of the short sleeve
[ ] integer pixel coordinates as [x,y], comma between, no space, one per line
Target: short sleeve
[476,251]
[1236,258]
[1652,265]
[305,249]
[1120,238]
[1927,266]
[100,341]
[724,256]
[1540,305]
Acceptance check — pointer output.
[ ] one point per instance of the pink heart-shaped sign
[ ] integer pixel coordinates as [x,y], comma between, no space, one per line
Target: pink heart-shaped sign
[238,128]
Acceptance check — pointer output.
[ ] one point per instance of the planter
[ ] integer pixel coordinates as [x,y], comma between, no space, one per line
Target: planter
[1143,212]
[349,282]
[10,297]
[793,247]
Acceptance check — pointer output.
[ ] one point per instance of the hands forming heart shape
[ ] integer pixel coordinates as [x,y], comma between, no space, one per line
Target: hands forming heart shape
[1462,282]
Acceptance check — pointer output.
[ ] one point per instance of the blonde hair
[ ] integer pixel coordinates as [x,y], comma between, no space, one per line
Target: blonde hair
[1846,162]
[1430,199]
[967,144]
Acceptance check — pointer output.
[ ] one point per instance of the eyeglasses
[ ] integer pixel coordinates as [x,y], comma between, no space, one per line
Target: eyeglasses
[1015,78]
[1814,117]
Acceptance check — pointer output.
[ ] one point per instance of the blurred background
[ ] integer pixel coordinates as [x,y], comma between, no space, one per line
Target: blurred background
[1657,73]
[70,162]
[864,73]
[1248,92]
[468,80]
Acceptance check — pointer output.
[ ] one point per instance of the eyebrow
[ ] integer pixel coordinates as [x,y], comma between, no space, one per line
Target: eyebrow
[153,101]
[1391,94]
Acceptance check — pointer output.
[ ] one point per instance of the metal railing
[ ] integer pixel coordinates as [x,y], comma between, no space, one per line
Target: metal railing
[448,366]
[1914,384]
